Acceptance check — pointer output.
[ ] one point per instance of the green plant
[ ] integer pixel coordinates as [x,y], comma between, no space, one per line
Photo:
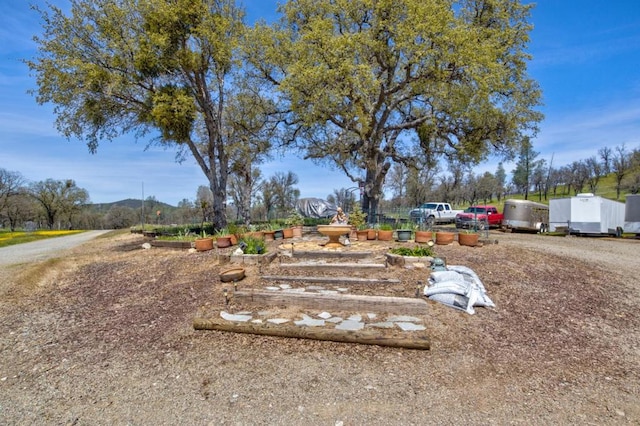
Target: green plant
[294,219]
[357,217]
[385,227]
[253,245]
[418,251]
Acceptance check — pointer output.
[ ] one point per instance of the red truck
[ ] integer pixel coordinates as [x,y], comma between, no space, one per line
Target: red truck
[479,217]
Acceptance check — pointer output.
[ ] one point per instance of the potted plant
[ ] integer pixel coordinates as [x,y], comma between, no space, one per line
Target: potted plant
[269,232]
[295,222]
[385,232]
[423,235]
[357,219]
[444,237]
[223,238]
[404,232]
[204,242]
[468,238]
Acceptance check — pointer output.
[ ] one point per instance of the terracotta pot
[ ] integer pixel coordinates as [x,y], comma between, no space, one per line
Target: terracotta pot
[269,235]
[234,239]
[371,234]
[297,231]
[354,233]
[468,239]
[287,233]
[255,234]
[362,234]
[444,238]
[224,241]
[423,236]
[203,244]
[385,235]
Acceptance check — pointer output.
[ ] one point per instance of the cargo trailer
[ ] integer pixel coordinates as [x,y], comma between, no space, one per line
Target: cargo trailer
[632,214]
[525,215]
[586,214]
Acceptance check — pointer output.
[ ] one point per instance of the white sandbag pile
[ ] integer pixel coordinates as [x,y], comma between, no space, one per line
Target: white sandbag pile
[458,287]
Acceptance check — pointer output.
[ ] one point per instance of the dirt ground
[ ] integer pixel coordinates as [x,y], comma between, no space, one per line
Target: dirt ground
[104,336]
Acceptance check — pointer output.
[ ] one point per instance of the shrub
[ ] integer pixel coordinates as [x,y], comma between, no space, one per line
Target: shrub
[253,245]
[418,251]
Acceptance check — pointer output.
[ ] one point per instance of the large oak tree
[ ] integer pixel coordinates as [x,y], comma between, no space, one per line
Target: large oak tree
[373,82]
[155,68]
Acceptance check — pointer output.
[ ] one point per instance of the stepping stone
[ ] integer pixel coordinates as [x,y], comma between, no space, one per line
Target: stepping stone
[234,317]
[409,326]
[350,325]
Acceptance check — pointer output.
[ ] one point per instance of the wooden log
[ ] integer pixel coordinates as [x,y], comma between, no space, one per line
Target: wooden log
[408,340]
[342,302]
[332,280]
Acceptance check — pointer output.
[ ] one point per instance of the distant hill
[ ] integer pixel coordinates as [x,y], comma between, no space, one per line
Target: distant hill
[131,203]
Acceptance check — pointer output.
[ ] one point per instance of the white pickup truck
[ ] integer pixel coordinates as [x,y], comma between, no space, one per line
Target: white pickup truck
[434,213]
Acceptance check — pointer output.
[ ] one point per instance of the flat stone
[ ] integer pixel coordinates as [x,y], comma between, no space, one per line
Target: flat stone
[234,317]
[404,318]
[277,320]
[350,325]
[409,326]
[371,315]
[325,315]
[384,324]
[270,288]
[310,322]
[328,291]
[335,320]
[355,317]
[285,286]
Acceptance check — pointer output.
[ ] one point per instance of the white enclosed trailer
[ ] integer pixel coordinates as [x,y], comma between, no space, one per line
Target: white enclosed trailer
[632,214]
[586,214]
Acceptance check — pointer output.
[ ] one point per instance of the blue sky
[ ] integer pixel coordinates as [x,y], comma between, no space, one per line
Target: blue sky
[586,57]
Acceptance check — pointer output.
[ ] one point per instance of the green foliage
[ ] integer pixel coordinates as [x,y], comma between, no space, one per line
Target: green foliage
[369,71]
[385,227]
[357,217]
[254,245]
[417,251]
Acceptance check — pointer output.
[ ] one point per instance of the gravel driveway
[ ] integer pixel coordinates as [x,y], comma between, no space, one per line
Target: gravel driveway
[44,249]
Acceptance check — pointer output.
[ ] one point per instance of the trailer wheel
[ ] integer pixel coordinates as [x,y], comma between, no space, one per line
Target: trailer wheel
[619,232]
[543,228]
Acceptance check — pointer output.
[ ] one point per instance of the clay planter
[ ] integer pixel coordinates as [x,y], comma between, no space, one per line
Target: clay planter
[234,274]
[468,239]
[269,235]
[444,238]
[224,241]
[287,233]
[255,234]
[371,234]
[203,244]
[297,231]
[362,234]
[423,236]
[385,234]
[234,239]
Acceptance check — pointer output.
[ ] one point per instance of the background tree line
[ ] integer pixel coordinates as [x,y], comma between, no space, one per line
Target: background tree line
[61,204]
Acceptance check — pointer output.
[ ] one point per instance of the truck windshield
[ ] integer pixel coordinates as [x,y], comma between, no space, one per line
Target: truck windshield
[431,206]
[476,210]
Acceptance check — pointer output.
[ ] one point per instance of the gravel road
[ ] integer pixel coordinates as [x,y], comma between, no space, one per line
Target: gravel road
[44,249]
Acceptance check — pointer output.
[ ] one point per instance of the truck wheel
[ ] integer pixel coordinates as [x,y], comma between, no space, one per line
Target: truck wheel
[482,225]
[431,220]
